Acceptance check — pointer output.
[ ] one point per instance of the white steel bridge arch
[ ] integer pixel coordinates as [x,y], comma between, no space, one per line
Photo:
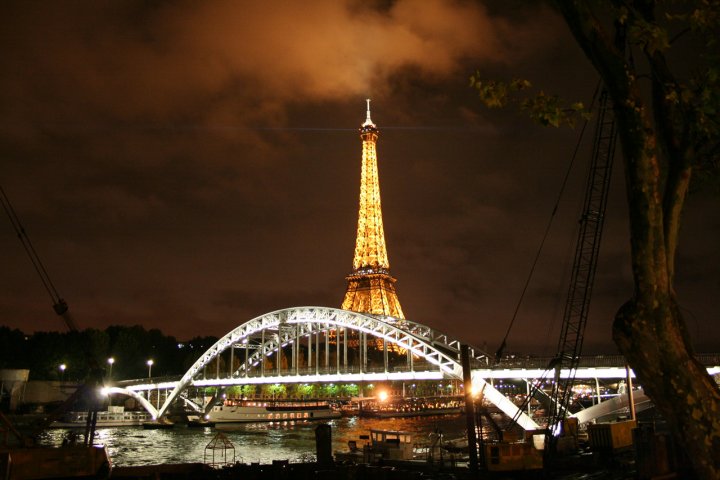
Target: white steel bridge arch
[291,324]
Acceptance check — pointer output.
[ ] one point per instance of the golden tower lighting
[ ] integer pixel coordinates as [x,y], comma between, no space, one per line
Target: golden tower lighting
[370,287]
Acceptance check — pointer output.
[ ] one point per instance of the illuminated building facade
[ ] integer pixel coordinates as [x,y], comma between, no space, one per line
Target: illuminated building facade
[370,286]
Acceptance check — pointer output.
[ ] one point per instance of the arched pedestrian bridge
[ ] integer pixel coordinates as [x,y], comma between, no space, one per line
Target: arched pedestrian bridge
[327,345]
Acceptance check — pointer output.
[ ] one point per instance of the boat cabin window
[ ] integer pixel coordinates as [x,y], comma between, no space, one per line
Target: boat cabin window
[494,455]
[391,437]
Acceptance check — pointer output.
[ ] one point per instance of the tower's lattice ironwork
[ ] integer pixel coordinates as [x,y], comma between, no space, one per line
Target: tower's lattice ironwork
[370,287]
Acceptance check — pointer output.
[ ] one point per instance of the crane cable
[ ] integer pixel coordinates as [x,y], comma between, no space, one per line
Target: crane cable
[58,302]
[503,344]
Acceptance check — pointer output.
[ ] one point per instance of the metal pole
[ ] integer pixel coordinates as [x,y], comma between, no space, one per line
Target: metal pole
[232,360]
[631,399]
[469,411]
[317,352]
[310,360]
[345,342]
[360,352]
[278,356]
[385,352]
[527,395]
[327,350]
[247,353]
[364,349]
[412,360]
[296,350]
[597,390]
[262,352]
[337,350]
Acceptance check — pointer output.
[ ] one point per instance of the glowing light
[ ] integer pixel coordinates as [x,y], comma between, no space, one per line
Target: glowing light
[382,395]
[104,391]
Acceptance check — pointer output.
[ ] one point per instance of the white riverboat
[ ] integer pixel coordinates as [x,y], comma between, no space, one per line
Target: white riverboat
[243,411]
[113,417]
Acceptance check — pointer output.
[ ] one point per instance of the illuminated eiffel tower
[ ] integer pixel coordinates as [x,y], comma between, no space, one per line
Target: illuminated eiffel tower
[370,287]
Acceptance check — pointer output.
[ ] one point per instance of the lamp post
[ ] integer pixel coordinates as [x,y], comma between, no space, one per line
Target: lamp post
[110,361]
[150,364]
[62,371]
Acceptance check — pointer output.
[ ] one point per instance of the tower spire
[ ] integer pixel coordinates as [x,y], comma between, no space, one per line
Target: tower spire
[370,287]
[368,121]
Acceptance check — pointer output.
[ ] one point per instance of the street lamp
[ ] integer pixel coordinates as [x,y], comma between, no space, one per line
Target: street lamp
[62,371]
[150,364]
[110,361]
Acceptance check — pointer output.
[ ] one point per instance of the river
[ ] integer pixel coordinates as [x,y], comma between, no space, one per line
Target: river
[253,442]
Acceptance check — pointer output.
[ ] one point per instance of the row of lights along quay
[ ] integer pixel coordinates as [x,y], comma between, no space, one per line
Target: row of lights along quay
[110,362]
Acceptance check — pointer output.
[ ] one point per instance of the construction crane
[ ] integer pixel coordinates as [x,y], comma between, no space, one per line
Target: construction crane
[582,278]
[88,390]
[577,306]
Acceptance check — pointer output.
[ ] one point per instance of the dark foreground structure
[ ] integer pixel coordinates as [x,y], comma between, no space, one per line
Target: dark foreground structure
[282,470]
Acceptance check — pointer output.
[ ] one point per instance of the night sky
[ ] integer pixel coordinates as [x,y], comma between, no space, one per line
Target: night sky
[188,166]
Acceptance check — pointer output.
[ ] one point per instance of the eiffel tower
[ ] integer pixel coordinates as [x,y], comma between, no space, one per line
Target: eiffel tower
[370,287]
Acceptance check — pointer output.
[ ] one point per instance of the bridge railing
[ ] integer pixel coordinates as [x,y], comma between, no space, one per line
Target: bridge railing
[709,359]
[509,363]
[309,371]
[589,361]
[531,363]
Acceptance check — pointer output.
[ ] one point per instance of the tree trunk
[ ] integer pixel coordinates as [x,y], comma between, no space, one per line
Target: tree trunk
[649,329]
[651,338]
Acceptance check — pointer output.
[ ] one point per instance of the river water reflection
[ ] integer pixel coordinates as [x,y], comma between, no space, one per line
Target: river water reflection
[254,442]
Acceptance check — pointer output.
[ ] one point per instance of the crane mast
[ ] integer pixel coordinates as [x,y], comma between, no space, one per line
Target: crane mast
[584,266]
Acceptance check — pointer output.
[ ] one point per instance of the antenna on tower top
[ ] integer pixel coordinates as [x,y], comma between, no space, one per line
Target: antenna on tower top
[368,121]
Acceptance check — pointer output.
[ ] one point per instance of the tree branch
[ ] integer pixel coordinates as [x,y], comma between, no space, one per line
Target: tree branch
[637,139]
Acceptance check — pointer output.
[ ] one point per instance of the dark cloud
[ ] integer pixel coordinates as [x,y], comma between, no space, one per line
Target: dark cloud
[191,165]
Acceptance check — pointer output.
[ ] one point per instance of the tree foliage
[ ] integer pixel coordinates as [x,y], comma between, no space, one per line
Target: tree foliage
[131,347]
[547,110]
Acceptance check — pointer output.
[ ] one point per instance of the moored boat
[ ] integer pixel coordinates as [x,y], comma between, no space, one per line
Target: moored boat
[244,411]
[380,445]
[411,407]
[113,417]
